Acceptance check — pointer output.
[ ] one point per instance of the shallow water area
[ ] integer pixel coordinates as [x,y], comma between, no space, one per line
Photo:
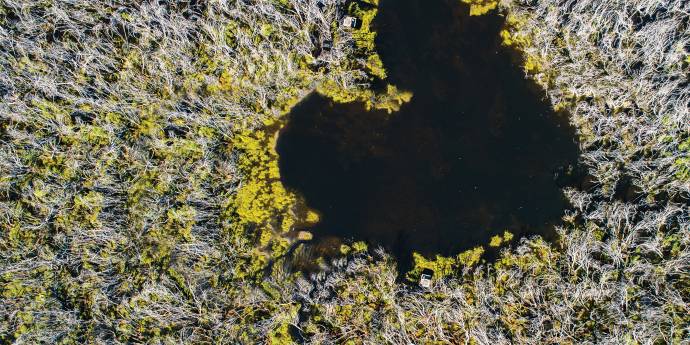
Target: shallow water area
[476,152]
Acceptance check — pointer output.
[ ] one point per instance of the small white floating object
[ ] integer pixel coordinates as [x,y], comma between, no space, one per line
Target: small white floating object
[425,278]
[350,22]
[304,236]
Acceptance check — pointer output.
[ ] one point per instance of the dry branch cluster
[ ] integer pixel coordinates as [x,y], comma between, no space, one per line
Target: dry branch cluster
[119,166]
[621,68]
[124,126]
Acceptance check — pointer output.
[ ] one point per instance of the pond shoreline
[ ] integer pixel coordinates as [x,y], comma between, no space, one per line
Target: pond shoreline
[473,154]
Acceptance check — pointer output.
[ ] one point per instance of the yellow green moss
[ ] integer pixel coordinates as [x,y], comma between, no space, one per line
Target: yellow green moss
[444,266]
[481,7]
[498,240]
[261,195]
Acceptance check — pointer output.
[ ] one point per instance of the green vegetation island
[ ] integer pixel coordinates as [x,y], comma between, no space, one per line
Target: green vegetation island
[141,199]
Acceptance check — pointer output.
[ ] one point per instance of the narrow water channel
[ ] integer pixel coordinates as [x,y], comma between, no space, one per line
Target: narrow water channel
[473,154]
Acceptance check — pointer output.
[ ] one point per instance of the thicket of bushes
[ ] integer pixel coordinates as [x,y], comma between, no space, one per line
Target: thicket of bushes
[140,200]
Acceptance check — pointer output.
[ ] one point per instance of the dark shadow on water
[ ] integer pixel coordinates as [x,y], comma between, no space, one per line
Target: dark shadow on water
[472,155]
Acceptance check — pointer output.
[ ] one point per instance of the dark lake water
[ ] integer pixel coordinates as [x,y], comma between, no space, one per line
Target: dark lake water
[473,154]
